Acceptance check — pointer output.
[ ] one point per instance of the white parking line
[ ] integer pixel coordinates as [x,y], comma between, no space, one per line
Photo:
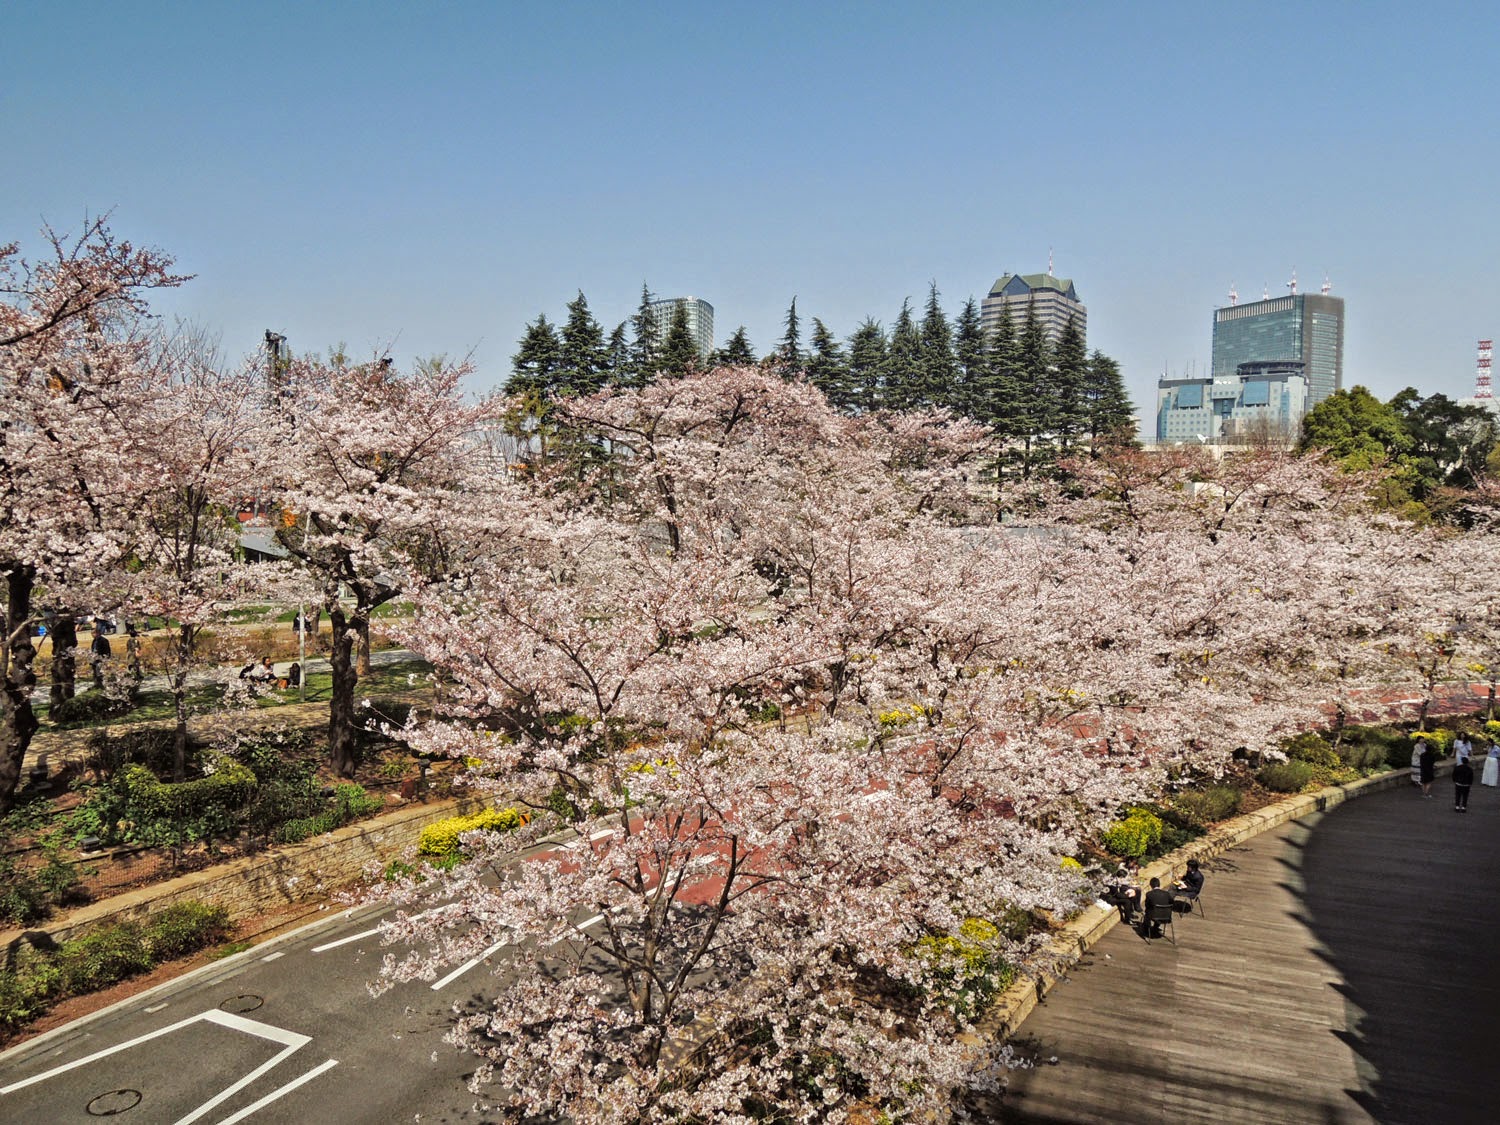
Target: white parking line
[279,1092]
[345,941]
[467,965]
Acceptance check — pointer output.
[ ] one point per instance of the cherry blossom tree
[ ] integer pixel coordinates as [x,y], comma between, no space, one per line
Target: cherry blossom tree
[819,726]
[380,484]
[71,344]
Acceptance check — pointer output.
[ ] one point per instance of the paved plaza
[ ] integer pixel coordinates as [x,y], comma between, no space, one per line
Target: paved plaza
[1347,971]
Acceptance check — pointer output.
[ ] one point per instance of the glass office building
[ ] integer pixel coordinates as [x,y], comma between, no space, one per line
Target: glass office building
[1302,327]
[1262,402]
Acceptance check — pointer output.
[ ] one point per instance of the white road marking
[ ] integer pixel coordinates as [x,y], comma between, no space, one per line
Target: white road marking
[273,956]
[291,1042]
[155,1008]
[345,941]
[589,922]
[280,1092]
[467,965]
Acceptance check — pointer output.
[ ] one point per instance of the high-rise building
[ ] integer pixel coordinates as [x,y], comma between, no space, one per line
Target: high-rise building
[1053,299]
[1305,327]
[700,320]
[1263,401]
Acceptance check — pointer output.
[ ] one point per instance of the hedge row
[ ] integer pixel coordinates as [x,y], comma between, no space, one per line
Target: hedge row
[106,956]
[440,839]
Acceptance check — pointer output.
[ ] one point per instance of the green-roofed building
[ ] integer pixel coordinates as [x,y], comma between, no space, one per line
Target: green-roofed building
[1054,300]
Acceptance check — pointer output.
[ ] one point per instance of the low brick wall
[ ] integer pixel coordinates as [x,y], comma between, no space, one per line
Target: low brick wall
[1085,931]
[265,881]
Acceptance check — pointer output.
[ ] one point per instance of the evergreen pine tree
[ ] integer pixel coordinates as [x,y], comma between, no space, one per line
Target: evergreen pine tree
[679,351]
[645,349]
[867,352]
[584,359]
[1069,371]
[617,357]
[972,360]
[827,369]
[1109,412]
[789,353]
[998,399]
[1034,397]
[938,369]
[736,351]
[537,363]
[901,374]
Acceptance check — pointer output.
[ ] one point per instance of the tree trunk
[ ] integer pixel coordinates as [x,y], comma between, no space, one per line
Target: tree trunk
[179,702]
[64,664]
[17,720]
[362,627]
[343,746]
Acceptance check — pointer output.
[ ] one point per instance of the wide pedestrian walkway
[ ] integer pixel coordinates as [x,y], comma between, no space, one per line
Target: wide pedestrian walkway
[1348,970]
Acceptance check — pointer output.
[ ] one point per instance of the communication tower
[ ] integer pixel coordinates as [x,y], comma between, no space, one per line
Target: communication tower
[1482,370]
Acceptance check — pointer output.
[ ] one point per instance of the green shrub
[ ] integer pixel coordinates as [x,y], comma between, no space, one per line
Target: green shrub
[170,814]
[1199,808]
[183,928]
[1311,748]
[441,837]
[23,899]
[99,959]
[90,707]
[1286,777]
[1135,835]
[349,802]
[152,747]
[27,993]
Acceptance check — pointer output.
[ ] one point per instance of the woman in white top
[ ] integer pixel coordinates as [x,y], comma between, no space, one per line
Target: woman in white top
[1492,767]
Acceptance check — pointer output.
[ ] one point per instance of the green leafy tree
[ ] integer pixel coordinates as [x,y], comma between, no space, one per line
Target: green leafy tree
[1450,443]
[1356,429]
[867,354]
[736,351]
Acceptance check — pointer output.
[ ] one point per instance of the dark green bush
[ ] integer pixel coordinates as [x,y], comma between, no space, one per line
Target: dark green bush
[23,899]
[106,956]
[152,747]
[349,803]
[1310,747]
[155,812]
[184,928]
[103,957]
[90,707]
[1286,777]
[1199,808]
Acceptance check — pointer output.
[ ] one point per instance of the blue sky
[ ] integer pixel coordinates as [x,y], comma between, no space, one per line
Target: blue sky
[431,176]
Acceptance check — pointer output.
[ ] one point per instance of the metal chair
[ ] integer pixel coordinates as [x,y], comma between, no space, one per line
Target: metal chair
[1158,914]
[1193,899]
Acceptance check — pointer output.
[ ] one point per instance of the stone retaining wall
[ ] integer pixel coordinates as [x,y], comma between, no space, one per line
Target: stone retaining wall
[259,883]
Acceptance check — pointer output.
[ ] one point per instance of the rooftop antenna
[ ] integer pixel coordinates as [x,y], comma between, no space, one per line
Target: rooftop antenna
[1049,262]
[1482,370]
[1234,297]
[1265,292]
[1292,285]
[1327,286]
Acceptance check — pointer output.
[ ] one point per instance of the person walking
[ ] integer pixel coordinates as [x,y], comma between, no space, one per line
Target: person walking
[1416,759]
[1463,779]
[1492,767]
[99,652]
[1427,765]
[1463,749]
